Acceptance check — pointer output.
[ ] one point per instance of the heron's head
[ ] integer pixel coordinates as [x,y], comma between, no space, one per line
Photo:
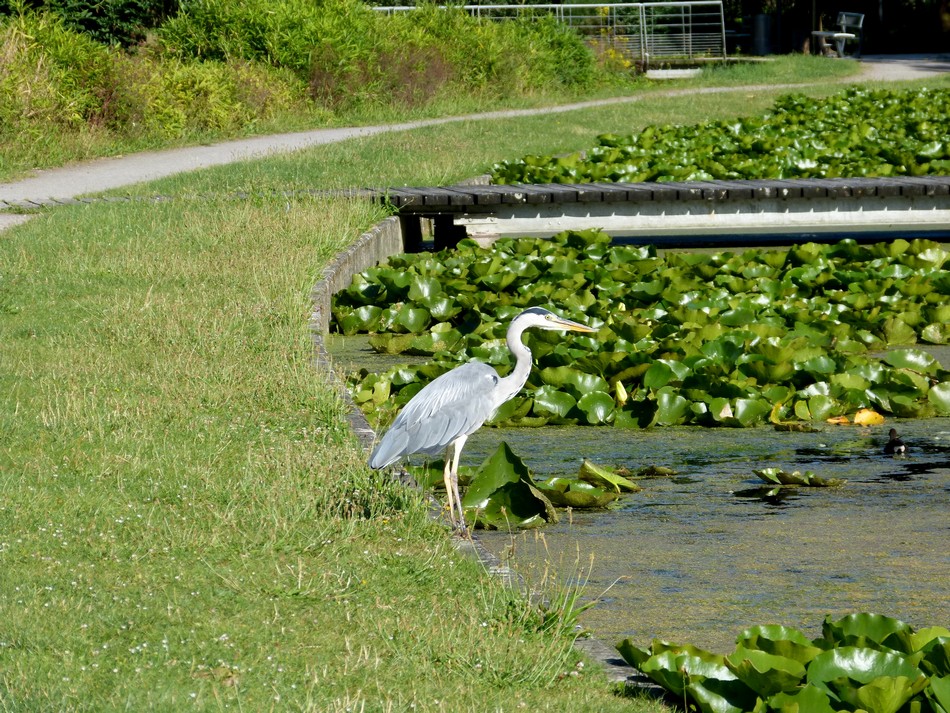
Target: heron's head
[541,318]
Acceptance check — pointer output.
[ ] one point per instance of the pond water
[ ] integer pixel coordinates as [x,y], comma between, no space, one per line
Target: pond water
[699,556]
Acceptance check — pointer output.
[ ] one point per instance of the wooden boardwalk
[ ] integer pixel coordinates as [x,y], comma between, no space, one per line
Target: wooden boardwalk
[916,205]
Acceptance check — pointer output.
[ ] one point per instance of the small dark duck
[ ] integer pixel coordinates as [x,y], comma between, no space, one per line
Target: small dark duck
[894,445]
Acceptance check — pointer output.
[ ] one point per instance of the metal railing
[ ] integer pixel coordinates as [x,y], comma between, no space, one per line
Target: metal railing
[646,33]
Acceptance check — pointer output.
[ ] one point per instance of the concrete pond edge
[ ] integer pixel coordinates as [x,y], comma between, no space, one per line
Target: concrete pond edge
[376,245]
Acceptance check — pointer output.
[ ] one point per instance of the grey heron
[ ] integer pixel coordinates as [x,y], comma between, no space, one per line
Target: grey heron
[453,406]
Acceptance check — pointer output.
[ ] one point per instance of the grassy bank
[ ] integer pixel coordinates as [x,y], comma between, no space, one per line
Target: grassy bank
[186,522]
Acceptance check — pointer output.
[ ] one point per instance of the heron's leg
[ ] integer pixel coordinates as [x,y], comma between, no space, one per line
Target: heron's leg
[449,490]
[452,456]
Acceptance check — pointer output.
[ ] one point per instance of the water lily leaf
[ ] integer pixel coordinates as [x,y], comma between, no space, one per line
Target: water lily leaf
[502,494]
[850,380]
[802,412]
[436,340]
[633,654]
[412,319]
[939,692]
[822,365]
[766,674]
[574,379]
[514,410]
[926,638]
[603,478]
[671,408]
[396,282]
[937,656]
[809,698]
[596,406]
[852,666]
[674,668]
[808,479]
[548,401]
[421,288]
[864,629]
[915,359]
[363,291]
[748,412]
[441,307]
[936,333]
[566,492]
[885,694]
[713,695]
[361,319]
[779,641]
[897,331]
[821,407]
[658,375]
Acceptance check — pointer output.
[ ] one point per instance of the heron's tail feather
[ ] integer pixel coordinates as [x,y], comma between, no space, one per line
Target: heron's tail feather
[391,448]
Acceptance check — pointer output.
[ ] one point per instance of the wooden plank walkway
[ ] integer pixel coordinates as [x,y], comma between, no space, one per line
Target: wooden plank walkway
[793,206]
[458,199]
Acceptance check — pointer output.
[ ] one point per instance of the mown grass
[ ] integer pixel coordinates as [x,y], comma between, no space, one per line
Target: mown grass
[186,523]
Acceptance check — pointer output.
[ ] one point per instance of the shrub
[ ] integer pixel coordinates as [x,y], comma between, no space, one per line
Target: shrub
[350,54]
[50,74]
[171,99]
[282,34]
[112,22]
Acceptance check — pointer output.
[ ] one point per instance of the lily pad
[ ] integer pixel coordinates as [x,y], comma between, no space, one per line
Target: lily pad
[567,492]
[603,478]
[502,494]
[808,479]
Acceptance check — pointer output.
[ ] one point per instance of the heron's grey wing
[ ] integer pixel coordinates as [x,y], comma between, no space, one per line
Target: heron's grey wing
[455,404]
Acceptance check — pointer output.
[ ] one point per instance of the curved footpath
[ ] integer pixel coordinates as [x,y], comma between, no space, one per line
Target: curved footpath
[52,187]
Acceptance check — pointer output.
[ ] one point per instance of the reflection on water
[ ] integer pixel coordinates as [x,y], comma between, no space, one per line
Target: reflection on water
[701,555]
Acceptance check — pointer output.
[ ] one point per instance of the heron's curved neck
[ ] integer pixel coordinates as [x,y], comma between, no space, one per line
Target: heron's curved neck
[519,375]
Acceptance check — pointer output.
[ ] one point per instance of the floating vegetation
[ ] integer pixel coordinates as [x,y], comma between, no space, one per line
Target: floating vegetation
[857,133]
[503,495]
[734,339]
[862,662]
[779,476]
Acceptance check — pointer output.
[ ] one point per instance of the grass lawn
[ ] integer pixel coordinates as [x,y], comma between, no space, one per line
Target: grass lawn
[185,522]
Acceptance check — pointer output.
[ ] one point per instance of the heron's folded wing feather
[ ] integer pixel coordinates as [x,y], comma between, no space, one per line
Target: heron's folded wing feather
[456,403]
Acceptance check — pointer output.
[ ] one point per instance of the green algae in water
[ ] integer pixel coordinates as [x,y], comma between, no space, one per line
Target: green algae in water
[710,551]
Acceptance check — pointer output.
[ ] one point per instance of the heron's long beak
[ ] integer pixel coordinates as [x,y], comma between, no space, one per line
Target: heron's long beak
[570,326]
